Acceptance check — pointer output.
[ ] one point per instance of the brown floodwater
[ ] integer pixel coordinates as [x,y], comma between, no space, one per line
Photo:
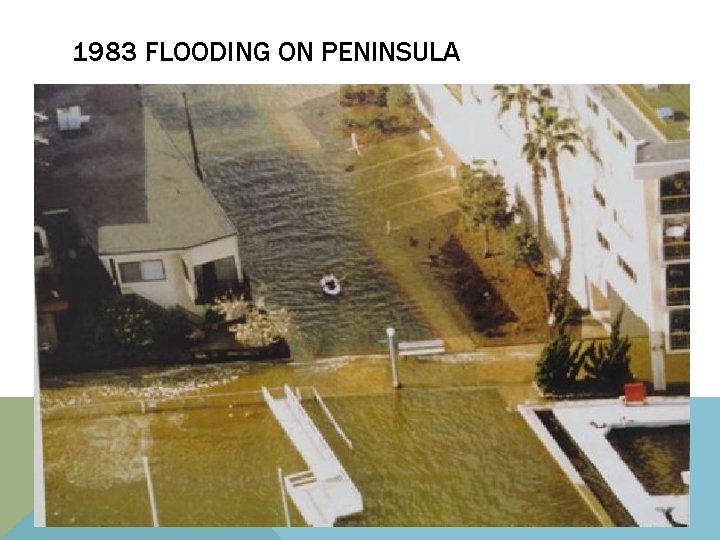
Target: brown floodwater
[656,455]
[448,449]
[445,450]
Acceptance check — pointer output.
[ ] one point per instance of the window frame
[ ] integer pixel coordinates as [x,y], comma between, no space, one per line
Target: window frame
[139,264]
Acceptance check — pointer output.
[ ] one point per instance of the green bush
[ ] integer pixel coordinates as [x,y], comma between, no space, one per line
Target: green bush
[608,364]
[602,367]
[559,362]
[523,245]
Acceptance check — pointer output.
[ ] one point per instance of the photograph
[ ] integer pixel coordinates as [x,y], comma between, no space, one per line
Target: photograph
[363,305]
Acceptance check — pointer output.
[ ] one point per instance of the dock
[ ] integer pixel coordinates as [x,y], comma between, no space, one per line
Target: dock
[325,492]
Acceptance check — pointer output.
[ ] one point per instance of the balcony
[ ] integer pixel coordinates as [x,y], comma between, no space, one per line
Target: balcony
[679,329]
[676,238]
[675,194]
[677,282]
[679,341]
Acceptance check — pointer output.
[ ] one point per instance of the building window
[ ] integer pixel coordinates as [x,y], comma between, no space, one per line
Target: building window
[622,263]
[675,193]
[134,272]
[679,329]
[599,197]
[620,136]
[677,283]
[603,241]
[592,105]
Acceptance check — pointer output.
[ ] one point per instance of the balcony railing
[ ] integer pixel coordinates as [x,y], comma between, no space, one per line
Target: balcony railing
[679,340]
[673,251]
[678,296]
[675,204]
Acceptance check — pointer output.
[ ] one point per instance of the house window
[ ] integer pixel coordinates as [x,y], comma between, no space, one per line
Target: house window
[599,197]
[627,269]
[603,241]
[134,272]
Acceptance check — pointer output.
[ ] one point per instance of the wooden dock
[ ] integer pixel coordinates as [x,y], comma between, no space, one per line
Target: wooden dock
[325,492]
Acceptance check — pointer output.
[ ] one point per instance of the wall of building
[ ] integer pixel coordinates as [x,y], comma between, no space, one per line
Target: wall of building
[175,289]
[476,131]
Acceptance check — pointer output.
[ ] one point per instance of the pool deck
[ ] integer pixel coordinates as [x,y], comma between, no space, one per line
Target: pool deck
[588,423]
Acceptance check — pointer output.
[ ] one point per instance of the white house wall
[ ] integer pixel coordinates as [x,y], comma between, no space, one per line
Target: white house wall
[219,249]
[175,289]
[168,292]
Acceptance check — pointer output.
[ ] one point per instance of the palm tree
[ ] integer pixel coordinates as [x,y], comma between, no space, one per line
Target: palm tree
[522,94]
[554,135]
[534,153]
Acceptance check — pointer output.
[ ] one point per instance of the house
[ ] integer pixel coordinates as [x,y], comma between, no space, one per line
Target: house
[156,228]
[628,197]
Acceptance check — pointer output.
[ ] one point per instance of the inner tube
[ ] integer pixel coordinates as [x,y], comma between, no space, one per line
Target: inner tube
[330,285]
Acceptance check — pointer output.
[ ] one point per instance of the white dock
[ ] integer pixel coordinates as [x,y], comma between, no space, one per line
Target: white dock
[325,492]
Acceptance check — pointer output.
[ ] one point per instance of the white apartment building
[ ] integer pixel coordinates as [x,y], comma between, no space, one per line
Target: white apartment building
[629,208]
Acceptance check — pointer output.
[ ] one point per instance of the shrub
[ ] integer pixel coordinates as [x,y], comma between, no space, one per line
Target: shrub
[523,245]
[260,326]
[608,364]
[559,362]
[605,366]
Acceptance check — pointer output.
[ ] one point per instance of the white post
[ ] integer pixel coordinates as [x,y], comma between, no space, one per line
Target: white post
[657,360]
[151,492]
[284,498]
[393,359]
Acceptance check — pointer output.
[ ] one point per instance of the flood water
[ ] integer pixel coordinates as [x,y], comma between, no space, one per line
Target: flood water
[657,456]
[446,450]
[275,160]
[422,456]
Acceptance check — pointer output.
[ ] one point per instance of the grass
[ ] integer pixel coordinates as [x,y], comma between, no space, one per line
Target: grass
[378,112]
[675,96]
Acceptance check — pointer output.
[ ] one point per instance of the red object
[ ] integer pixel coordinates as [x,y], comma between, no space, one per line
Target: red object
[635,393]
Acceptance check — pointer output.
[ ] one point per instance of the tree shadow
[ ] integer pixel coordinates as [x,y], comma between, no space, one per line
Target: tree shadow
[473,291]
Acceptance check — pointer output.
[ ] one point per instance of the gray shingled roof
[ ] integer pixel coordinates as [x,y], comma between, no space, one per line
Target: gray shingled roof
[127,185]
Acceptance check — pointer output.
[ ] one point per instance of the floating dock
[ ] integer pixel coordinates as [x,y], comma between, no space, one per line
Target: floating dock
[325,492]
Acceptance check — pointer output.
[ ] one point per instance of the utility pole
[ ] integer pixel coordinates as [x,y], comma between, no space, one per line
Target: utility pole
[393,357]
[191,130]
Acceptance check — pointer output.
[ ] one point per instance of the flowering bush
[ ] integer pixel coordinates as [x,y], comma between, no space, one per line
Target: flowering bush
[260,326]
